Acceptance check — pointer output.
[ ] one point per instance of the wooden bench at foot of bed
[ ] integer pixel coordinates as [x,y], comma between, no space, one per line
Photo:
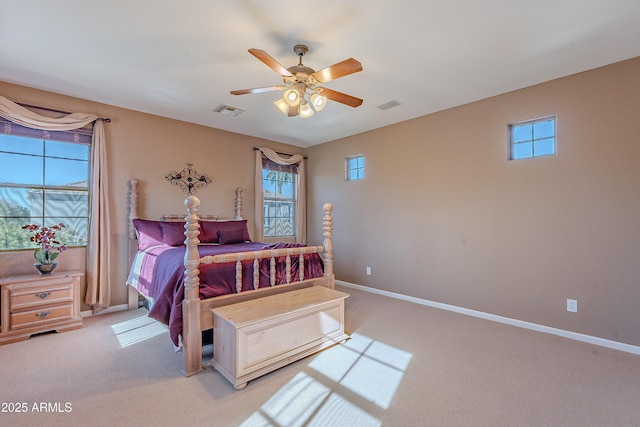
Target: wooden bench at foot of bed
[255,337]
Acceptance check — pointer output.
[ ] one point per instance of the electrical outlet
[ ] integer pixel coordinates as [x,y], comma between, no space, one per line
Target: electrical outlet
[572,305]
[368,271]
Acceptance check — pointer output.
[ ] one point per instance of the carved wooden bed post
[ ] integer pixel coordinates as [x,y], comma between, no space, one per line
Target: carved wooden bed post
[327,227]
[132,295]
[238,203]
[191,333]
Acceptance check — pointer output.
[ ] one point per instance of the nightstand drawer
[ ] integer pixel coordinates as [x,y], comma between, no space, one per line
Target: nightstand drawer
[40,316]
[42,295]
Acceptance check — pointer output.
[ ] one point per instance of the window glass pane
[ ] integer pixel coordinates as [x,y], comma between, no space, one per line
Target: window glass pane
[353,174]
[543,129]
[19,144]
[268,181]
[66,203]
[544,146]
[522,133]
[360,162]
[12,235]
[13,202]
[35,204]
[287,189]
[522,150]
[67,150]
[20,169]
[75,231]
[66,172]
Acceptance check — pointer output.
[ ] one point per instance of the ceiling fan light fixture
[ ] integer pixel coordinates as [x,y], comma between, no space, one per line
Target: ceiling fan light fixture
[292,97]
[318,101]
[305,110]
[282,106]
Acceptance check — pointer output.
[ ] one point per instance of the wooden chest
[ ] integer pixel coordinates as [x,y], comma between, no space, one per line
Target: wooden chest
[255,337]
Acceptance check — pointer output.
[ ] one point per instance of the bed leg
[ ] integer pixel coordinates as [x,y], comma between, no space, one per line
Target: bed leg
[191,338]
[132,298]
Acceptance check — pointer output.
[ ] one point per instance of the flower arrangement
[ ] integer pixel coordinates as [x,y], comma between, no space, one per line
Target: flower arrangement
[45,237]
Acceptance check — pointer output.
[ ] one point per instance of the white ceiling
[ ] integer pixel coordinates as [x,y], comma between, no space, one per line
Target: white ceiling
[180,59]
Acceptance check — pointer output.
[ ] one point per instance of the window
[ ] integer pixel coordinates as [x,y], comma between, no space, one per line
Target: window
[43,180]
[355,168]
[279,187]
[532,138]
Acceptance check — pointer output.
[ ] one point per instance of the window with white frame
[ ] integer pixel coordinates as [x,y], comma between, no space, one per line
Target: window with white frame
[43,180]
[532,138]
[279,193]
[355,167]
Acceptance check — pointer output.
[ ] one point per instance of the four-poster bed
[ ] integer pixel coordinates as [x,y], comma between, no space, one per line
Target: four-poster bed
[247,270]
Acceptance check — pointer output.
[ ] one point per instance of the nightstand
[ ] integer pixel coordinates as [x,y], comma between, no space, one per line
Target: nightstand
[34,303]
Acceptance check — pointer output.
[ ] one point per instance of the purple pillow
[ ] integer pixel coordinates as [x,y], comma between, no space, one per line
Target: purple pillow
[173,233]
[149,233]
[226,237]
[209,229]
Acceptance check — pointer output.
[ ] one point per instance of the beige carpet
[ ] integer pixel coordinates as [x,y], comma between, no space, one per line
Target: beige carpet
[406,365]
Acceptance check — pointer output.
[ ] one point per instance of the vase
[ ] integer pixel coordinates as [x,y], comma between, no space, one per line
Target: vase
[45,268]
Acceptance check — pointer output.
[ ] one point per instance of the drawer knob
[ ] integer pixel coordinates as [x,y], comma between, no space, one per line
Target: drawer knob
[43,295]
[43,314]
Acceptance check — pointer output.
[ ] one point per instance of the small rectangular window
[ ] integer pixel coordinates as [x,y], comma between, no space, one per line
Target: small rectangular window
[355,168]
[532,138]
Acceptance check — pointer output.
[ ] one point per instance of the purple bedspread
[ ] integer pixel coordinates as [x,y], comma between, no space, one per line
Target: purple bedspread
[160,275]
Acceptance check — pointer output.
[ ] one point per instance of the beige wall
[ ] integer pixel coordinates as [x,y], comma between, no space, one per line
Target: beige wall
[147,147]
[443,215]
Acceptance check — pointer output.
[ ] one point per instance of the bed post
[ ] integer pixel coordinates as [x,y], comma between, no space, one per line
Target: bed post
[327,226]
[132,295]
[238,203]
[191,334]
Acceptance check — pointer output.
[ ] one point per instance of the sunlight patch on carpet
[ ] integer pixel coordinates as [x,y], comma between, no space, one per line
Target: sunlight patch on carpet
[137,330]
[303,401]
[364,366]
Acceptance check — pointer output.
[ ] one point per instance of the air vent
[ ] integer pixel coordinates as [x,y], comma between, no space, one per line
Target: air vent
[388,105]
[227,110]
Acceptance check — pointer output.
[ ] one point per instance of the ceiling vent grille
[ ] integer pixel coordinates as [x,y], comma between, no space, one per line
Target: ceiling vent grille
[227,110]
[388,105]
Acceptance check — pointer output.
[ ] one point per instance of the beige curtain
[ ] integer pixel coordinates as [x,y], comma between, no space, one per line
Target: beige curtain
[98,282]
[301,194]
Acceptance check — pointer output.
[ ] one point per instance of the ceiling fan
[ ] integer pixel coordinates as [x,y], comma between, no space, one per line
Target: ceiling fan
[301,87]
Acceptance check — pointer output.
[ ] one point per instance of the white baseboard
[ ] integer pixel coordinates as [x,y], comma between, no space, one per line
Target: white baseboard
[628,348]
[112,309]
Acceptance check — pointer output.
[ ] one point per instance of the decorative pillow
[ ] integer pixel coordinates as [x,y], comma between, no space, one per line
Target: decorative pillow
[226,237]
[209,229]
[173,233]
[149,233]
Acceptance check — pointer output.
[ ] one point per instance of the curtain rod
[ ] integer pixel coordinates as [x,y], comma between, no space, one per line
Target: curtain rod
[104,119]
[286,154]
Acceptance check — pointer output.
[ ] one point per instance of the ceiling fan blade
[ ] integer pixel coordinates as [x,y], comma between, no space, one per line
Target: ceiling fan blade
[341,69]
[343,98]
[257,90]
[270,62]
